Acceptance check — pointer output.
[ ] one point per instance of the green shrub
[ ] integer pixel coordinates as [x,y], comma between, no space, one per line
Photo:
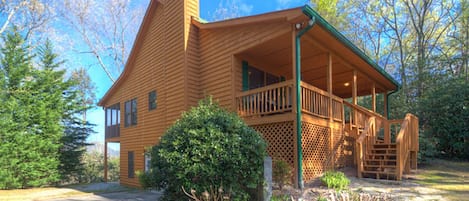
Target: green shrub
[208,146]
[281,174]
[335,180]
[281,198]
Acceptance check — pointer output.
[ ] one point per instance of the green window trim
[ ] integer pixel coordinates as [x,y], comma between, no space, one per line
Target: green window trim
[245,75]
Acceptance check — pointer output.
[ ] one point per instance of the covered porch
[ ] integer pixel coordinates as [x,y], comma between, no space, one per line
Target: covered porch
[300,90]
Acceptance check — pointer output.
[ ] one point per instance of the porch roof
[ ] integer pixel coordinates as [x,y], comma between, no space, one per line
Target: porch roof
[275,55]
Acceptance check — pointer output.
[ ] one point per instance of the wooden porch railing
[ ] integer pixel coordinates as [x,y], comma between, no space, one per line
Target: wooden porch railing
[316,102]
[407,145]
[275,98]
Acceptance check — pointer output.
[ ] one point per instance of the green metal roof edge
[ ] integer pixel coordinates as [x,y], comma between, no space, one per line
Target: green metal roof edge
[307,10]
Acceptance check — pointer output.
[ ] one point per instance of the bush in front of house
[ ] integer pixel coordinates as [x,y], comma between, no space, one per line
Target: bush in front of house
[207,147]
[335,180]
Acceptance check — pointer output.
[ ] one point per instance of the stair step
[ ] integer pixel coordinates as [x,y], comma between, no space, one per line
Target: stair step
[381,161]
[383,149]
[379,172]
[380,154]
[380,166]
[392,145]
[386,170]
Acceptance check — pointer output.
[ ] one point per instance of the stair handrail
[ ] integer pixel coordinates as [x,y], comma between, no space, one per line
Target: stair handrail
[364,143]
[364,111]
[406,141]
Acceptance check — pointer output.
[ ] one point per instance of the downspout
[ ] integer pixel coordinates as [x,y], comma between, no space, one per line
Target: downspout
[310,25]
[387,102]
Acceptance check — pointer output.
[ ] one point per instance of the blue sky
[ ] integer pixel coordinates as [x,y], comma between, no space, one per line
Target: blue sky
[208,10]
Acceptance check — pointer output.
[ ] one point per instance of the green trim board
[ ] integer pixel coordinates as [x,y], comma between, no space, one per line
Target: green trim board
[307,10]
[245,75]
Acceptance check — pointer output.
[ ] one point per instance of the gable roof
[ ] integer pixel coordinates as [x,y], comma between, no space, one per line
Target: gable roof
[133,52]
[293,15]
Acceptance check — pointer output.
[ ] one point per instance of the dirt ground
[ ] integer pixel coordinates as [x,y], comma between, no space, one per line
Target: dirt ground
[435,180]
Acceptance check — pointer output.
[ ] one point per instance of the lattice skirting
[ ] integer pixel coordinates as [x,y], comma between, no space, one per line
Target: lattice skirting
[317,152]
[338,146]
[280,139]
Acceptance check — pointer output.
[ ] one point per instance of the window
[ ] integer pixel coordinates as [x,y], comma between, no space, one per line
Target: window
[131,112]
[152,100]
[255,78]
[112,120]
[130,164]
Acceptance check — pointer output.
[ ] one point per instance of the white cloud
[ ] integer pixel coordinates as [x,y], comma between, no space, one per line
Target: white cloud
[282,4]
[228,9]
[245,8]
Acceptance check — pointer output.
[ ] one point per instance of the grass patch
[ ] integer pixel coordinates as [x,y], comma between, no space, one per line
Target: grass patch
[58,192]
[449,176]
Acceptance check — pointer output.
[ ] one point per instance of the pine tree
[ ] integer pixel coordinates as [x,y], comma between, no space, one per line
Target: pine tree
[76,131]
[42,136]
[30,138]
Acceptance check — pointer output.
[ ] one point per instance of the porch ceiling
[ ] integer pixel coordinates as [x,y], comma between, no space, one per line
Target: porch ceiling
[275,56]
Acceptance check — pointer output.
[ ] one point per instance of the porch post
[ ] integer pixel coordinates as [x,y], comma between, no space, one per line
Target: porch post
[354,88]
[373,97]
[354,95]
[330,112]
[387,129]
[385,101]
[105,161]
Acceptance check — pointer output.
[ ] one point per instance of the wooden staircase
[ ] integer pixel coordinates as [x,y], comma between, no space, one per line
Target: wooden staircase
[383,158]
[380,162]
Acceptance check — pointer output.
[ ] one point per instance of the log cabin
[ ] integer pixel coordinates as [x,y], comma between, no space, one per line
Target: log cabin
[289,74]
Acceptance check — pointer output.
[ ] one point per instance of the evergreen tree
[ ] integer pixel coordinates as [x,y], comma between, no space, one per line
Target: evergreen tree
[30,138]
[76,131]
[42,136]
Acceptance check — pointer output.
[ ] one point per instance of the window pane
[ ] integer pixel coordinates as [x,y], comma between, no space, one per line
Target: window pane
[127,113]
[130,164]
[134,112]
[118,116]
[152,100]
[256,78]
[272,79]
[114,116]
[108,117]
